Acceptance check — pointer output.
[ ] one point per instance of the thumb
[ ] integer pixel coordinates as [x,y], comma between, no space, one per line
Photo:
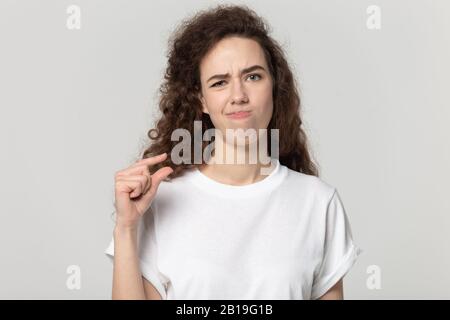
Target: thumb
[157,177]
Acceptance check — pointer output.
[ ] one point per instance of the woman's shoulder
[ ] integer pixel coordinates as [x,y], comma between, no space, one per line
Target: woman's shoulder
[309,184]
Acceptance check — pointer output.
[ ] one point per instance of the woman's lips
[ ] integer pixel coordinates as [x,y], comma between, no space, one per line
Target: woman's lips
[239,115]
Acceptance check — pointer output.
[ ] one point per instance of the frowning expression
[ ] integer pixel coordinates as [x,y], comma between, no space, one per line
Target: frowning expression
[236,85]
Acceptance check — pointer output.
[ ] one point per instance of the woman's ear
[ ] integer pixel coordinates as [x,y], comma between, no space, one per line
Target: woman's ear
[202,100]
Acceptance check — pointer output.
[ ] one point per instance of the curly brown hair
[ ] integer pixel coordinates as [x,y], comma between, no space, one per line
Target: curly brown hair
[179,102]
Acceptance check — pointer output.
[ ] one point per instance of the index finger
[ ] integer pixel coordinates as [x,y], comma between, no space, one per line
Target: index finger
[151,160]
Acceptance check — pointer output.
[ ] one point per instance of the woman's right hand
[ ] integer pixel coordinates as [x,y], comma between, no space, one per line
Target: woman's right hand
[135,189]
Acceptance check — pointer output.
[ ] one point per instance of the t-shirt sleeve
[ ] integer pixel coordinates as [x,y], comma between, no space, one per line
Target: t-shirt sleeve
[148,252]
[339,250]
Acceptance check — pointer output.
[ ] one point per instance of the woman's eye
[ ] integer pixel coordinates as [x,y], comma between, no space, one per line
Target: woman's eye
[218,84]
[215,84]
[255,74]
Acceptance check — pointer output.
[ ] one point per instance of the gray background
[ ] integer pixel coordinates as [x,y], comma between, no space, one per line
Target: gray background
[76,106]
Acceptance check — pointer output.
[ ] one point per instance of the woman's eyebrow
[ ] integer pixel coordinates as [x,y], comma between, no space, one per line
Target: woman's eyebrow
[243,71]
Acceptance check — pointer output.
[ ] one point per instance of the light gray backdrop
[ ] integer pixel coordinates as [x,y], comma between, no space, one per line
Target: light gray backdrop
[76,106]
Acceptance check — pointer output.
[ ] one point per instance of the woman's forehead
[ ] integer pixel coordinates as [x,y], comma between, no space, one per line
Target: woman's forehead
[232,55]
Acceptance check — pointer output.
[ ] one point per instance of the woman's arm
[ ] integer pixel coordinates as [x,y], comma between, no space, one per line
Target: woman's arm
[335,293]
[150,291]
[134,190]
[127,278]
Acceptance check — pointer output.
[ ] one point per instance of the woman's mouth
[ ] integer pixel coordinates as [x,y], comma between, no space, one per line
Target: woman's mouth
[239,115]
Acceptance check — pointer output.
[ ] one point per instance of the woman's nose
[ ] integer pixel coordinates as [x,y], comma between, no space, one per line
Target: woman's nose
[238,94]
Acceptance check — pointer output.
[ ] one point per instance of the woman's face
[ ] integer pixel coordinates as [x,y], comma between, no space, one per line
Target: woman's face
[227,87]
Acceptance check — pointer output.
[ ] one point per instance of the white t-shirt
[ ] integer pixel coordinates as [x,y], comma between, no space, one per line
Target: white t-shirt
[284,237]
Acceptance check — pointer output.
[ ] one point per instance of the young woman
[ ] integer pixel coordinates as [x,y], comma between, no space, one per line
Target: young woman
[228,229]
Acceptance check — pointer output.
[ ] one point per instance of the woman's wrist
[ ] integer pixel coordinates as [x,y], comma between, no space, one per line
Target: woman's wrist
[121,230]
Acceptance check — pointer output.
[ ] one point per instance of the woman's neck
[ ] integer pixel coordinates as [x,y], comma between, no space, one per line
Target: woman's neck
[233,172]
